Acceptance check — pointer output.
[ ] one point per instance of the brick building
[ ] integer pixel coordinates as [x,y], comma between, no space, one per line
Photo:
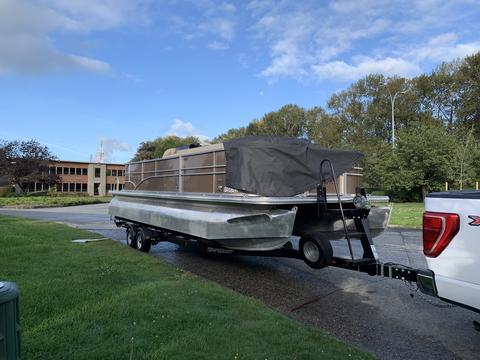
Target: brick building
[84,177]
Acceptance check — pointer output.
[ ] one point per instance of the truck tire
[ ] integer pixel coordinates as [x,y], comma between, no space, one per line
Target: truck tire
[132,237]
[316,252]
[143,241]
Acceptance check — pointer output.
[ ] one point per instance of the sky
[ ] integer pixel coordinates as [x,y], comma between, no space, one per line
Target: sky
[74,73]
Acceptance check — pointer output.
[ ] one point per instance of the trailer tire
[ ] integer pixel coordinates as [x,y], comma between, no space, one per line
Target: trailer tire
[131,236]
[316,252]
[143,241]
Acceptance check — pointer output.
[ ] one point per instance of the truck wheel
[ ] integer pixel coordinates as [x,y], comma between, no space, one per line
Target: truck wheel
[316,252]
[143,242]
[131,237]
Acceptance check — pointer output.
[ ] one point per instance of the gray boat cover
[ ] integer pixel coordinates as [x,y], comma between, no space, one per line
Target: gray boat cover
[281,166]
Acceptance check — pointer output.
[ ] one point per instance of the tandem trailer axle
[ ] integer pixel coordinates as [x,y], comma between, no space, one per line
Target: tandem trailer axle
[142,237]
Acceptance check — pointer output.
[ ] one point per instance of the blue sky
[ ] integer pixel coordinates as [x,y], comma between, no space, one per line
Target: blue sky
[75,72]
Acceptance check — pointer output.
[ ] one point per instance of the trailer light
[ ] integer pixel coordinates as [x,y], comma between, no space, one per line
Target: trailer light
[438,230]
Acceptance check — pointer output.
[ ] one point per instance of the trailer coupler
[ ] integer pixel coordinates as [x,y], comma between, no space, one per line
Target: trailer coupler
[425,279]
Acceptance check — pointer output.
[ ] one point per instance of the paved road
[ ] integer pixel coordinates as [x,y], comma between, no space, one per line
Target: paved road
[376,314]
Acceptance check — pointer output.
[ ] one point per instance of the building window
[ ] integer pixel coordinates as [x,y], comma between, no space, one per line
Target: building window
[52,170]
[120,186]
[97,172]
[84,187]
[109,172]
[72,187]
[84,171]
[78,187]
[114,172]
[59,171]
[78,171]
[72,171]
[65,187]
[65,171]
[59,187]
[109,187]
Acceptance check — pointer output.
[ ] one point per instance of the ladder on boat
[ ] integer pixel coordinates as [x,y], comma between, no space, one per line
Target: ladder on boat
[358,214]
[369,262]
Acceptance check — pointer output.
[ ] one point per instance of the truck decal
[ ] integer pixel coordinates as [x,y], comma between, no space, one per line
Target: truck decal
[475,220]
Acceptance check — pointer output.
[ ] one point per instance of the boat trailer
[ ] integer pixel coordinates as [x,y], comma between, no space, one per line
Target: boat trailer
[369,262]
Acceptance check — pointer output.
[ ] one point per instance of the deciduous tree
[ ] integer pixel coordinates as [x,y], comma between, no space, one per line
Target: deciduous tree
[26,162]
[155,148]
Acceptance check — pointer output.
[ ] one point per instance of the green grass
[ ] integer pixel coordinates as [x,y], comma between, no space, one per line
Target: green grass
[407,215]
[103,300]
[48,201]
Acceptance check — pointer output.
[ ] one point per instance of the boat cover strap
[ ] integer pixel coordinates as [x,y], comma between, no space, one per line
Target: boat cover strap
[281,166]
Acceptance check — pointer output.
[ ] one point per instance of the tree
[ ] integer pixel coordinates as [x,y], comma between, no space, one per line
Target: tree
[324,129]
[155,148]
[381,169]
[230,134]
[439,92]
[465,154]
[424,154]
[26,162]
[289,120]
[469,85]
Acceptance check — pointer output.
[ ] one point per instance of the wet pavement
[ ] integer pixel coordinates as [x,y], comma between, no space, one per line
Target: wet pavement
[385,317]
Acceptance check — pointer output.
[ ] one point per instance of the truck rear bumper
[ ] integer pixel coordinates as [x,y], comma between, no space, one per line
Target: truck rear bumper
[456,292]
[461,293]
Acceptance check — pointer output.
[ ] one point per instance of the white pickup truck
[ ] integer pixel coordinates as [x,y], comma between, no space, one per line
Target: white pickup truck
[451,244]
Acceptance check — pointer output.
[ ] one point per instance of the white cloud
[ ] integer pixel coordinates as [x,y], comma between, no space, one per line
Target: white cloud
[181,128]
[444,47]
[110,147]
[185,128]
[28,28]
[349,38]
[340,70]
[212,21]
[228,7]
[217,45]
[218,26]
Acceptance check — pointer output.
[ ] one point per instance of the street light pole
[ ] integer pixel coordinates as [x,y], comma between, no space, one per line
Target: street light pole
[392,103]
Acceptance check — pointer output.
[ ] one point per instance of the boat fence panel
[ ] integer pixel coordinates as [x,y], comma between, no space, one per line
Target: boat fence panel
[204,173]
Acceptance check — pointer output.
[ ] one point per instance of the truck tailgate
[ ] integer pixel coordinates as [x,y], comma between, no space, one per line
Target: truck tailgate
[457,267]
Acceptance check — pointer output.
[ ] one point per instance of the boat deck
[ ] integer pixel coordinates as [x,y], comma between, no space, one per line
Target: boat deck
[240,198]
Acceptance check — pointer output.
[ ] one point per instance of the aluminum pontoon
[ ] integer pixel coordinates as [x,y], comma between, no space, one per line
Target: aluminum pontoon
[250,194]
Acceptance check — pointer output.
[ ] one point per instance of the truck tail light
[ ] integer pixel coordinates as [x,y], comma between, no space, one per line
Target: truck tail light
[438,230]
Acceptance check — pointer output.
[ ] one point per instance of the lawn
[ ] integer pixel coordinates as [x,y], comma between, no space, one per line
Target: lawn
[103,300]
[49,201]
[407,215]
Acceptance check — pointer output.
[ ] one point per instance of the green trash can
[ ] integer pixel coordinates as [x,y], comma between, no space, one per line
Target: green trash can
[9,322]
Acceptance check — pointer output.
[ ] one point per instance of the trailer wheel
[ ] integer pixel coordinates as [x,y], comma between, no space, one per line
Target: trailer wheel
[131,237]
[316,252]
[143,243]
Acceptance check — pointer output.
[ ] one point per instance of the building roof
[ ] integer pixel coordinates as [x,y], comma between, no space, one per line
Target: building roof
[86,162]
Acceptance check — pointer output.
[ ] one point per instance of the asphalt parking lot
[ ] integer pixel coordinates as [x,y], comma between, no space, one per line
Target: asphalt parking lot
[386,317]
